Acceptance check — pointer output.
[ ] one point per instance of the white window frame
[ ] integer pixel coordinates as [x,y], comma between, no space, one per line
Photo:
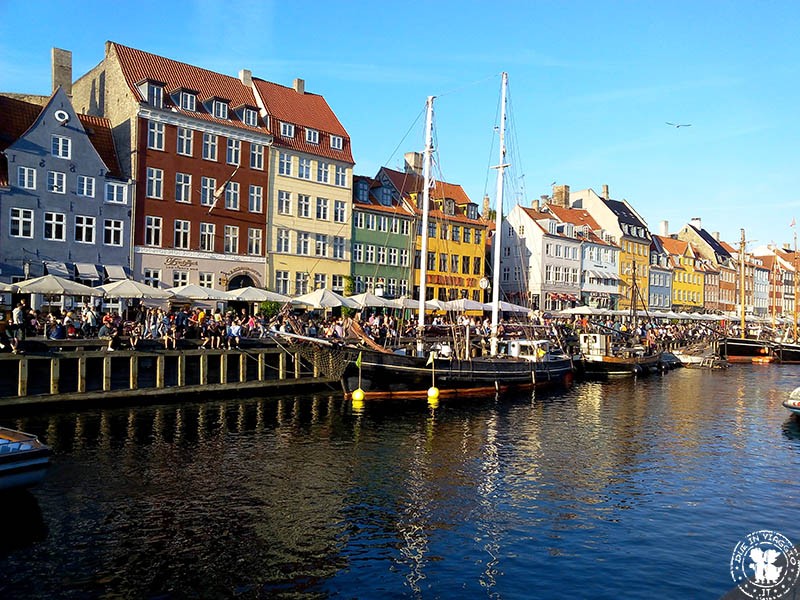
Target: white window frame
[208,185]
[321,244]
[255,237]
[283,241]
[287,130]
[304,206]
[232,195]
[340,176]
[220,110]
[155,183]
[22,220]
[151,277]
[285,164]
[323,171]
[26,178]
[257,157]
[57,182]
[113,232]
[304,168]
[179,278]
[60,146]
[231,245]
[284,202]
[322,209]
[205,280]
[339,211]
[312,136]
[188,101]
[210,146]
[84,229]
[282,282]
[255,199]
[155,135]
[303,243]
[233,153]
[183,188]
[85,186]
[153,228]
[185,141]
[182,233]
[250,117]
[155,95]
[207,233]
[339,245]
[337,142]
[58,225]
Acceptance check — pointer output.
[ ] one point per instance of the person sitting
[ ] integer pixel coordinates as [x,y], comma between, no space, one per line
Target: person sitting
[58,332]
[114,342]
[233,333]
[171,337]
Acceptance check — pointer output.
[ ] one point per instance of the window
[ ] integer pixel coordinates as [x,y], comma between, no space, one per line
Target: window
[85,186]
[209,146]
[220,109]
[370,221]
[336,142]
[206,280]
[84,229]
[405,228]
[254,237]
[250,117]
[303,241]
[112,232]
[467,235]
[506,273]
[284,202]
[404,256]
[381,255]
[358,220]
[255,199]
[284,164]
[454,263]
[385,196]
[431,261]
[394,225]
[152,277]
[257,157]
[321,244]
[234,152]
[207,232]
[338,246]
[231,239]
[362,191]
[304,169]
[301,283]
[443,262]
[152,231]
[183,187]
[185,139]
[303,206]
[312,136]
[443,231]
[320,280]
[155,135]
[323,170]
[21,223]
[282,244]
[26,178]
[337,283]
[478,237]
[56,182]
[358,252]
[339,211]
[383,223]
[340,177]
[182,229]
[207,187]
[431,229]
[393,256]
[232,195]
[456,233]
[282,282]
[476,265]
[369,256]
[322,209]
[55,226]
[188,101]
[180,278]
[465,265]
[287,130]
[155,95]
[155,183]
[61,147]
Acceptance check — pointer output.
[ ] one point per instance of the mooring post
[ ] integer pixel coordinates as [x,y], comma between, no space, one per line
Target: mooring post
[106,373]
[204,369]
[55,364]
[160,371]
[261,365]
[22,385]
[242,367]
[282,365]
[297,366]
[134,371]
[223,367]
[181,369]
[82,374]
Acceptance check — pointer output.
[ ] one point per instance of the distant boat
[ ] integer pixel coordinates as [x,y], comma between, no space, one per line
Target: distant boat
[23,459]
[601,358]
[745,350]
[793,401]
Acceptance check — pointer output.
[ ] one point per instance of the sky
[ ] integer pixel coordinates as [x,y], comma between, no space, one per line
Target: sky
[592,86]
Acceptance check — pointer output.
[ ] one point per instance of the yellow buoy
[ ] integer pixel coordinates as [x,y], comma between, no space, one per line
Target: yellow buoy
[358,406]
[433,393]
[433,403]
[358,395]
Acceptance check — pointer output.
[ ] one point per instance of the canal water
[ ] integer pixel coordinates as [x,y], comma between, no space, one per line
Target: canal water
[635,489]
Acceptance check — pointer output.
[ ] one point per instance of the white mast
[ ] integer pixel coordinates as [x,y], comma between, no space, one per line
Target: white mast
[498,221]
[426,199]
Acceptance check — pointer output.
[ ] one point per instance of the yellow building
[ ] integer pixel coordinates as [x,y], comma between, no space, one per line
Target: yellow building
[688,274]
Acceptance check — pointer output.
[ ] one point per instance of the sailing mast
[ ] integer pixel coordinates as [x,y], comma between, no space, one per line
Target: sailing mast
[795,284]
[426,200]
[498,221]
[741,282]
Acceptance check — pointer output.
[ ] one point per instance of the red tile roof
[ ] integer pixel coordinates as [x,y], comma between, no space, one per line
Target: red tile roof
[305,110]
[576,216]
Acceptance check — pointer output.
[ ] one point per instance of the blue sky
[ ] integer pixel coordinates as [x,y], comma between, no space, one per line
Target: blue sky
[591,87]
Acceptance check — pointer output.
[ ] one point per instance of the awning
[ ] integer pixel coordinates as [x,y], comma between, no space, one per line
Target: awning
[56,268]
[86,271]
[115,272]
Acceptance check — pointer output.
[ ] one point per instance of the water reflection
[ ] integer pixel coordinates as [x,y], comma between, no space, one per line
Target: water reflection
[21,521]
[315,495]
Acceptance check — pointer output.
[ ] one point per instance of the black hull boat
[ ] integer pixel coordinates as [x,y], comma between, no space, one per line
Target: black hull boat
[23,459]
[745,350]
[601,358]
[786,352]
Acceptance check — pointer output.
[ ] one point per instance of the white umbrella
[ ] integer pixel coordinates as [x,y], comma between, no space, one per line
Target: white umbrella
[254,294]
[464,304]
[195,292]
[583,310]
[128,288]
[434,305]
[54,285]
[404,302]
[508,307]
[367,299]
[324,298]
[7,287]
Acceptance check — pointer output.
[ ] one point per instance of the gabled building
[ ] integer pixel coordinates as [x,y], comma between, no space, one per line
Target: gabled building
[64,202]
[660,287]
[456,233]
[599,267]
[687,276]
[197,145]
[629,231]
[310,187]
[716,254]
[382,241]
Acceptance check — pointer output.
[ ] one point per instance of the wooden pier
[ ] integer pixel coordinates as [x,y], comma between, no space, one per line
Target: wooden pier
[84,373]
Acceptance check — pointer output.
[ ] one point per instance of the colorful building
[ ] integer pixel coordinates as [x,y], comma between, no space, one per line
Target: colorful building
[688,275]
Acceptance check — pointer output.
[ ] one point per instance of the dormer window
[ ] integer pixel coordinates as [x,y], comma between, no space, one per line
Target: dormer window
[250,117]
[220,109]
[155,95]
[386,196]
[287,130]
[337,142]
[472,211]
[188,101]
[362,190]
[449,206]
[312,136]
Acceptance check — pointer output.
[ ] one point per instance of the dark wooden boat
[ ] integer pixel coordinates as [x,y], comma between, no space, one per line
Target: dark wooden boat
[23,459]
[745,350]
[786,352]
[602,358]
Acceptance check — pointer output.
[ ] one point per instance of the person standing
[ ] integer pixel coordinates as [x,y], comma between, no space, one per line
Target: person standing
[18,319]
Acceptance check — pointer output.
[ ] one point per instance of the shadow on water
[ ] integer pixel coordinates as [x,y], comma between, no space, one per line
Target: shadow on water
[791,427]
[21,521]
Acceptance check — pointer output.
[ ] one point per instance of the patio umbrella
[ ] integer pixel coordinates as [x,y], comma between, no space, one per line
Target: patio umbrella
[195,292]
[583,310]
[7,287]
[54,285]
[254,294]
[508,307]
[463,304]
[368,299]
[128,288]
[434,305]
[324,298]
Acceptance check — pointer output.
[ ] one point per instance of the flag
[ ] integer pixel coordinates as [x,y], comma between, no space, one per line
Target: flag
[792,223]
[221,190]
[358,360]
[430,359]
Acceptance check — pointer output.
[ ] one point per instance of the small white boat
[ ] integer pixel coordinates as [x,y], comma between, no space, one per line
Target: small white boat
[793,402]
[23,459]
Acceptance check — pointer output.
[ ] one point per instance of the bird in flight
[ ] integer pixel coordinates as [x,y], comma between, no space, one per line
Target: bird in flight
[678,124]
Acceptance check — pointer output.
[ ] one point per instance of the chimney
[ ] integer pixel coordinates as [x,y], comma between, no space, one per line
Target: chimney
[486,206]
[561,195]
[787,246]
[663,230]
[605,191]
[696,222]
[535,205]
[413,162]
[246,77]
[61,61]
[715,235]
[300,86]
